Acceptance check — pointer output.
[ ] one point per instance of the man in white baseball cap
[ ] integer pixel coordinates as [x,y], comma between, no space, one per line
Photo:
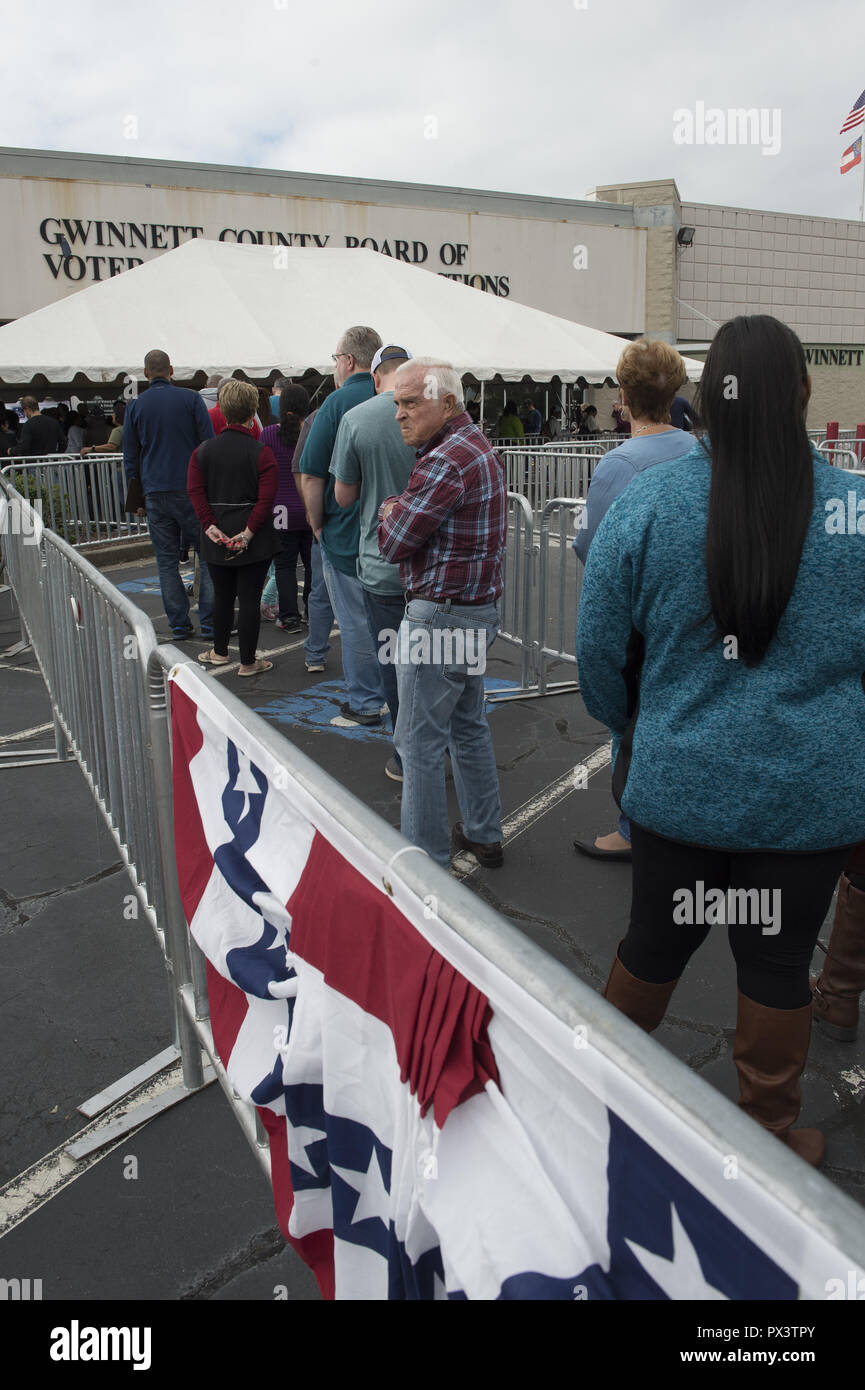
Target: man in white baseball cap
[371,461]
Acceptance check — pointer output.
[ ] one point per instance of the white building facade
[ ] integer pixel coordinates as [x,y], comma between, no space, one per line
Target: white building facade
[614,261]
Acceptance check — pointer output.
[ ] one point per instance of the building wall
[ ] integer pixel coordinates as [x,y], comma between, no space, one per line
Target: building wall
[657,207]
[808,271]
[837,393]
[585,262]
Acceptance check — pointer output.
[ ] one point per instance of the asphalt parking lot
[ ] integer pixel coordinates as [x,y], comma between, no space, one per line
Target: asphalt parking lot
[180,1208]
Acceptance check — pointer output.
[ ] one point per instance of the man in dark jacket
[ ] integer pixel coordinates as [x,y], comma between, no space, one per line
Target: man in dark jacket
[40,434]
[161,429]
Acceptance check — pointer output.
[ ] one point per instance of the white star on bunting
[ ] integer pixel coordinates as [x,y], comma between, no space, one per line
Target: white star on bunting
[374,1196]
[681,1278]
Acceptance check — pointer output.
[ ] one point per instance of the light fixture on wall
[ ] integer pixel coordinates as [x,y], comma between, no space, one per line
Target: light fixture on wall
[685,236]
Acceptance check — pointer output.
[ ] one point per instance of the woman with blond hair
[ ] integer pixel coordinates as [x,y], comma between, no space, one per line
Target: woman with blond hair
[232,483]
[649,374]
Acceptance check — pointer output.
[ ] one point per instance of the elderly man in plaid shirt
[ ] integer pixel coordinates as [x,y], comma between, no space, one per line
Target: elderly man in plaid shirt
[447,530]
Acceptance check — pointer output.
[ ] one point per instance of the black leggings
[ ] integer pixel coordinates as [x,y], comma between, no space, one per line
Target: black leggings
[244,583]
[854,869]
[775,929]
[292,545]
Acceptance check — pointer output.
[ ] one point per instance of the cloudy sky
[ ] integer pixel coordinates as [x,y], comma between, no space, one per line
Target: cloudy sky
[549,97]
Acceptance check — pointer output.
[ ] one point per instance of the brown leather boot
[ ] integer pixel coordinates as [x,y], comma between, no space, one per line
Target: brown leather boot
[835,1005]
[770,1051]
[644,1003]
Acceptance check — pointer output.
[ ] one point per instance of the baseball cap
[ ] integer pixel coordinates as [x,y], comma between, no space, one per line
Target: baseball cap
[390,353]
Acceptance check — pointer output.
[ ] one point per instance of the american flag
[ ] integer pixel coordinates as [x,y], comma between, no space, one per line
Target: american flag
[857,115]
[436,1133]
[855,156]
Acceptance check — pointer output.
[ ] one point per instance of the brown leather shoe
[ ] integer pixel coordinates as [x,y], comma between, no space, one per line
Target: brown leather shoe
[770,1052]
[643,1002]
[489,856]
[835,1005]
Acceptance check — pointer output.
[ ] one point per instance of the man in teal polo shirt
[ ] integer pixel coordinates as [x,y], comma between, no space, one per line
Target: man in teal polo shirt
[338,529]
[371,461]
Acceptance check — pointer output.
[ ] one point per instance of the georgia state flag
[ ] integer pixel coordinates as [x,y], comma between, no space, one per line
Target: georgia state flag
[434,1131]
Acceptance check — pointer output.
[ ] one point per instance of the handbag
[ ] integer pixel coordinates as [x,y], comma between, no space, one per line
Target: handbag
[134,496]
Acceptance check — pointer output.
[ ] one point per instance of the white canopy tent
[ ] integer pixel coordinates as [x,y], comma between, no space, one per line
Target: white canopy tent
[221,308]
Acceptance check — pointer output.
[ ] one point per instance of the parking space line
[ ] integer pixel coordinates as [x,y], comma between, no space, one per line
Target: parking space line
[25,1194]
[270,651]
[24,734]
[464,865]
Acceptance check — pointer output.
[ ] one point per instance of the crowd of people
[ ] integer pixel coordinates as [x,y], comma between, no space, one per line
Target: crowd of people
[393,501]
[720,637]
[59,429]
[526,422]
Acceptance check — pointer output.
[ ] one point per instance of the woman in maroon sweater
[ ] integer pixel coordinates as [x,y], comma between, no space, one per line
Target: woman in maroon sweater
[232,483]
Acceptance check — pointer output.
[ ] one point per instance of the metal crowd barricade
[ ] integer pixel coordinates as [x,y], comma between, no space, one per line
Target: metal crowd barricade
[543,630]
[835,452]
[559,597]
[519,575]
[21,535]
[819,436]
[92,645]
[81,498]
[107,679]
[551,471]
[528,441]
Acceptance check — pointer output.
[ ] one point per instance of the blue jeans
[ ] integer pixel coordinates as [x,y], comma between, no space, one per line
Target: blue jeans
[624,828]
[359,657]
[384,613]
[318,612]
[441,705]
[173,527]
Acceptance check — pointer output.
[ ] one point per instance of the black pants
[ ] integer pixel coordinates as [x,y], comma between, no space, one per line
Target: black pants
[384,613]
[292,545]
[246,584]
[772,932]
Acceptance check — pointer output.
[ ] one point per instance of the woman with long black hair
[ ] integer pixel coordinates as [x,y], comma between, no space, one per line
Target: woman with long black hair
[721,637]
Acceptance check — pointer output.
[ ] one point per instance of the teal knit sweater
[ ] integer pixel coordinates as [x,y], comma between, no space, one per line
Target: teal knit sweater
[771,758]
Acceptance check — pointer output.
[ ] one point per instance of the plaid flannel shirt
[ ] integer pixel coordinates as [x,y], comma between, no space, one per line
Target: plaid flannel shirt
[447,529]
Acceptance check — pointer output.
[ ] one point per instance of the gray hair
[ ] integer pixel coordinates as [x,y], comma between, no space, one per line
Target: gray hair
[363,344]
[440,378]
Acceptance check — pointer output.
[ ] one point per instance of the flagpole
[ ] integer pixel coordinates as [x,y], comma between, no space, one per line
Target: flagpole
[862,190]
